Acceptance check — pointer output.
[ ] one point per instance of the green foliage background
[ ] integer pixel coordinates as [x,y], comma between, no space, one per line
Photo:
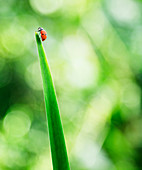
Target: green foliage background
[94,50]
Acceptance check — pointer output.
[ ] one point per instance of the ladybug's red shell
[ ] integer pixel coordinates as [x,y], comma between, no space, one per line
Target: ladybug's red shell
[43,35]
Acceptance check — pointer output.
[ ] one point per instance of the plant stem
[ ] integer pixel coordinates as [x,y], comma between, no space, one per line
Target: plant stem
[56,135]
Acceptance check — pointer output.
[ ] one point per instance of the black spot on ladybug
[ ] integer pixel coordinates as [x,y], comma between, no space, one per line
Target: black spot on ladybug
[42,34]
[43,39]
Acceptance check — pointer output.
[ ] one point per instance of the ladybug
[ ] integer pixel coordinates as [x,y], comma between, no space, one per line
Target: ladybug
[42,33]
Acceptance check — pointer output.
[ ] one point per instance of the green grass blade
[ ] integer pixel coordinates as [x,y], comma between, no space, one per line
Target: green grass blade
[56,135]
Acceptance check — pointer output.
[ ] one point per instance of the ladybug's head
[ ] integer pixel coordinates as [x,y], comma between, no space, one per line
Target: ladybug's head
[40,28]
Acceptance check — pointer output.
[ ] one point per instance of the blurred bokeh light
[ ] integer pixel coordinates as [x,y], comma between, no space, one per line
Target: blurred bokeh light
[94,51]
